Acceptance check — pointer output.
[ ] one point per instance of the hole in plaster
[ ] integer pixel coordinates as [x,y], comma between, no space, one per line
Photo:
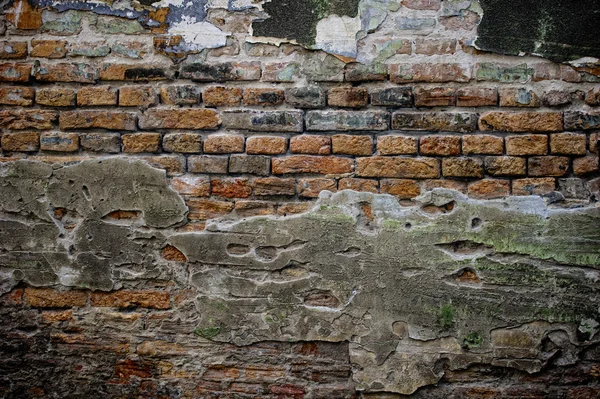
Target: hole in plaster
[237,249]
[322,299]
[476,222]
[467,275]
[408,226]
[86,192]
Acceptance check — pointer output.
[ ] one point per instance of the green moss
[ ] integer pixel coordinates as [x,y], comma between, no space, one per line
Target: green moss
[473,340]
[208,332]
[446,317]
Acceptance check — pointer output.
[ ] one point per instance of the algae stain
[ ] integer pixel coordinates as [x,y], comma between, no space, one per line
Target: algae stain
[446,317]
[208,332]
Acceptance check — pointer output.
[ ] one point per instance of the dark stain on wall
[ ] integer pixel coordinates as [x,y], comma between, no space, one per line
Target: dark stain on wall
[561,30]
[297,19]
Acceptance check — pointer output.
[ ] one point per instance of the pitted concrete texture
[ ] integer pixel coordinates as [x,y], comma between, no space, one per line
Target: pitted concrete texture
[415,290]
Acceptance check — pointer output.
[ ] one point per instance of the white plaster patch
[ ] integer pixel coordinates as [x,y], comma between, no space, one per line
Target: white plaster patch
[338,35]
[198,35]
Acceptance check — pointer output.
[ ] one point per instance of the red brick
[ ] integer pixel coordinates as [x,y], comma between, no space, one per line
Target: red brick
[568,143]
[57,141]
[196,186]
[489,189]
[533,186]
[202,209]
[505,166]
[396,145]
[435,97]
[435,46]
[231,187]
[514,97]
[182,118]
[310,144]
[263,97]
[222,96]
[27,119]
[98,95]
[13,50]
[349,97]
[15,72]
[585,165]
[137,96]
[224,143]
[266,186]
[545,71]
[55,97]
[267,145]
[482,144]
[127,299]
[66,72]
[439,145]
[352,145]
[310,188]
[528,144]
[462,167]
[476,97]
[48,48]
[592,97]
[404,167]
[434,73]
[50,298]
[14,95]
[422,4]
[521,121]
[595,142]
[187,143]
[351,183]
[548,166]
[173,254]
[401,188]
[21,142]
[312,164]
[116,120]
[141,142]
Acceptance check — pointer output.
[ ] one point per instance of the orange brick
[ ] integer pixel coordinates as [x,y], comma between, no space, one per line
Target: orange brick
[429,185]
[197,186]
[489,189]
[98,95]
[137,96]
[141,142]
[263,97]
[462,167]
[174,165]
[65,72]
[173,253]
[127,299]
[58,141]
[312,164]
[351,97]
[21,119]
[310,188]
[528,144]
[50,298]
[521,121]
[21,142]
[513,97]
[13,50]
[435,97]
[404,167]
[188,143]
[439,145]
[267,186]
[352,145]
[294,208]
[310,144]
[116,120]
[55,97]
[231,188]
[401,188]
[351,183]
[15,72]
[396,145]
[267,145]
[247,208]
[182,118]
[505,166]
[568,143]
[585,165]
[482,144]
[476,97]
[222,96]
[48,48]
[224,144]
[533,186]
[132,72]
[548,166]
[14,95]
[202,209]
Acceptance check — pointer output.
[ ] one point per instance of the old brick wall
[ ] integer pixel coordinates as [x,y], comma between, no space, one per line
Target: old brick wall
[252,118]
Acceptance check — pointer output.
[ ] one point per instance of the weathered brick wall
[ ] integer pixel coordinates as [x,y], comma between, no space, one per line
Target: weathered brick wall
[243,127]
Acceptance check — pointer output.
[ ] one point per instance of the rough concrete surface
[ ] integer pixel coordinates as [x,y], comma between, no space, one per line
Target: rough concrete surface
[414,291]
